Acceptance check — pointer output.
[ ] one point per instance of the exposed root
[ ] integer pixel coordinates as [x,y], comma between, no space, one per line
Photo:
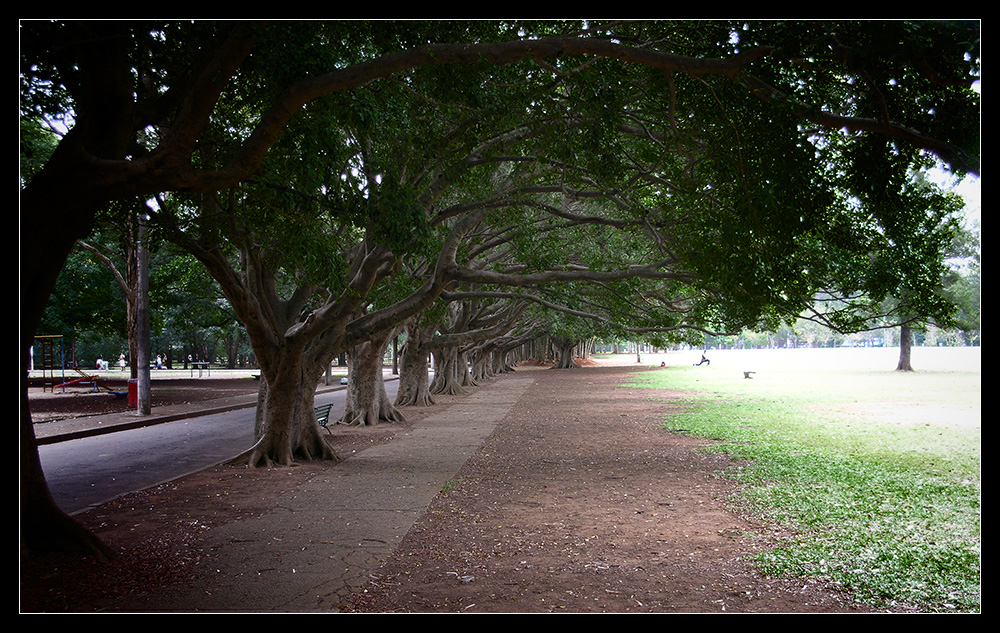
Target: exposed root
[570,365]
[51,530]
[425,400]
[449,390]
[370,419]
[394,415]
[244,458]
[257,457]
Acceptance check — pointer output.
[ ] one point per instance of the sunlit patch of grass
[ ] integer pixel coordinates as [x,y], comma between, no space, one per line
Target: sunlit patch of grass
[875,476]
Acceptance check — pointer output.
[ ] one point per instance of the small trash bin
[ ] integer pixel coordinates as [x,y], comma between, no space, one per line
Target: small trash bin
[133,392]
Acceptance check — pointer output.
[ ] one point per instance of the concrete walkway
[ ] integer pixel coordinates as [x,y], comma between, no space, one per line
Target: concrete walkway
[320,544]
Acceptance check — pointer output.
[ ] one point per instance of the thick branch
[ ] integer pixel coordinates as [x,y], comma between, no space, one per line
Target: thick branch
[952,155]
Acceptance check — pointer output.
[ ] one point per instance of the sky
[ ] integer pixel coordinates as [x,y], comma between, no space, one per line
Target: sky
[970,190]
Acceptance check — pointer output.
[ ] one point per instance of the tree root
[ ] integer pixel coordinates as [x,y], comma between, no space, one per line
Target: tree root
[415,401]
[370,419]
[571,365]
[58,532]
[394,415]
[448,390]
[257,457]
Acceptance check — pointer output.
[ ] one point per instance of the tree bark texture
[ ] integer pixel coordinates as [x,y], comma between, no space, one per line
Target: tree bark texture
[414,378]
[449,373]
[367,402]
[286,429]
[566,360]
[905,348]
[59,221]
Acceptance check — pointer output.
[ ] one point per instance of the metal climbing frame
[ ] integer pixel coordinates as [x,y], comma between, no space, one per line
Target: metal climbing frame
[50,362]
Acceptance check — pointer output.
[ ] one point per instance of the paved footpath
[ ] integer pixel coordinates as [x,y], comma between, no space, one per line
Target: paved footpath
[319,546]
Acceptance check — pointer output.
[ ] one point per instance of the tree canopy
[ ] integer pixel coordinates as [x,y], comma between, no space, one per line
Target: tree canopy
[339,178]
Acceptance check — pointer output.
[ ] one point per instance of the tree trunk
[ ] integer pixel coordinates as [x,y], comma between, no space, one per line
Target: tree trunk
[51,229]
[500,361]
[367,402]
[414,380]
[464,373]
[286,427]
[44,526]
[507,355]
[566,347]
[905,347]
[232,351]
[447,373]
[482,364]
[54,216]
[140,368]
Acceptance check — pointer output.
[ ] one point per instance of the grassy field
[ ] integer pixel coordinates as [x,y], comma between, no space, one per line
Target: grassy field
[864,475]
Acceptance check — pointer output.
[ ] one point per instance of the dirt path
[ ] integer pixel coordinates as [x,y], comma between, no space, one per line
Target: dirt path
[579,502]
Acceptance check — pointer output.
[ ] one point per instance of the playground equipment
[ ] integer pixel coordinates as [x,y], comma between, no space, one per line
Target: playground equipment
[49,364]
[92,380]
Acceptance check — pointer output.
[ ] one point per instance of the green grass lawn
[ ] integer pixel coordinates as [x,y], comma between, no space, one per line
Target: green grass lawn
[862,474]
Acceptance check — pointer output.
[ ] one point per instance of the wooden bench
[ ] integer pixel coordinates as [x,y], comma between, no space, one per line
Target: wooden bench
[323,416]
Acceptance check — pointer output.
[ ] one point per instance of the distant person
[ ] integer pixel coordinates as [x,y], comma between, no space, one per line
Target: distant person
[663,363]
[121,362]
[703,361]
[159,362]
[100,363]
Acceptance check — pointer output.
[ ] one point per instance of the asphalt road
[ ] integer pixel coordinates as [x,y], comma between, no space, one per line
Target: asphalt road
[90,471]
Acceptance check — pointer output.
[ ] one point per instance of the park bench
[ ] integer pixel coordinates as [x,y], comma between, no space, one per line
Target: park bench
[323,416]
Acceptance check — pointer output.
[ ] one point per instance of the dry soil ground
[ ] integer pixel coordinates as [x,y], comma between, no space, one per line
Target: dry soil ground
[579,502]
